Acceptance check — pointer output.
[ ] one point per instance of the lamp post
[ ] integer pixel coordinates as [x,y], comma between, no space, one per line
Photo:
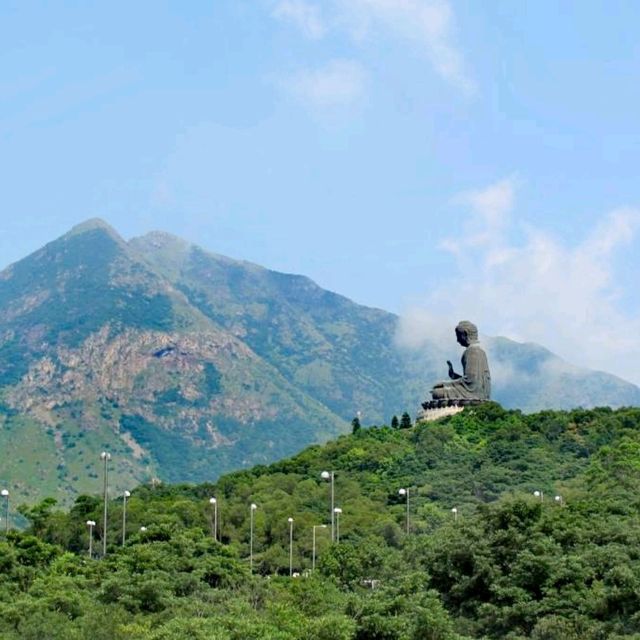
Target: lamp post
[143,529]
[405,492]
[330,476]
[539,494]
[559,500]
[337,512]
[5,495]
[252,510]
[125,495]
[105,457]
[313,557]
[290,521]
[214,505]
[454,510]
[91,524]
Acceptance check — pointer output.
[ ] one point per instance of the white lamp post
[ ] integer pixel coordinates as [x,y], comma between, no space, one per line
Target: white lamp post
[330,476]
[214,505]
[539,494]
[91,524]
[454,510]
[559,500]
[337,512]
[290,521]
[125,496]
[405,492]
[252,510]
[105,457]
[143,529]
[313,557]
[5,494]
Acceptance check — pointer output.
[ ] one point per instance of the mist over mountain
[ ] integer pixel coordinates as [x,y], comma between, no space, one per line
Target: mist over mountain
[186,364]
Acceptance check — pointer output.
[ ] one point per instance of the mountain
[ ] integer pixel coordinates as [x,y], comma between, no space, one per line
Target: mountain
[339,352]
[186,364]
[99,351]
[345,354]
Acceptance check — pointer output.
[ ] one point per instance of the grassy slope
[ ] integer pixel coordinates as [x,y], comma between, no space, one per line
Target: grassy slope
[60,462]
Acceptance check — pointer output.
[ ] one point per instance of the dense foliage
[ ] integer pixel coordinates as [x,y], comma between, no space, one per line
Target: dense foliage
[506,564]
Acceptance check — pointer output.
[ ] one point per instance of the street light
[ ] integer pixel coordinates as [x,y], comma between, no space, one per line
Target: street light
[5,494]
[214,505]
[330,476]
[559,500]
[290,521]
[91,524]
[252,510]
[337,512]
[454,510]
[405,492]
[539,494]
[143,529]
[105,457]
[125,495]
[313,557]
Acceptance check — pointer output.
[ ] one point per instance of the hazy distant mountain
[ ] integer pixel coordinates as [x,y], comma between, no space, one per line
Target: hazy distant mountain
[186,364]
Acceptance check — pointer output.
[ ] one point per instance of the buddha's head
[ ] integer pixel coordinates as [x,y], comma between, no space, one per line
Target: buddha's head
[466,333]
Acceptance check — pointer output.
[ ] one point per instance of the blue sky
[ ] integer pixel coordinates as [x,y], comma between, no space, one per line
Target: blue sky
[440,159]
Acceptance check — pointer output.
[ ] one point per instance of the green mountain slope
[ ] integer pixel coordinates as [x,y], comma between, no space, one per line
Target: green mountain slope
[509,564]
[339,352]
[345,355]
[102,352]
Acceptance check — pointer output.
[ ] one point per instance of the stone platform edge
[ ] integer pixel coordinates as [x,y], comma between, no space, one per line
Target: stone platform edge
[436,409]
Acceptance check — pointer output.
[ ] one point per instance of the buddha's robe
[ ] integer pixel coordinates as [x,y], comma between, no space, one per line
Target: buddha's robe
[475,382]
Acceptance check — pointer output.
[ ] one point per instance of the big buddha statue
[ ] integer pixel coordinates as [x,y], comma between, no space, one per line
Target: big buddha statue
[474,383]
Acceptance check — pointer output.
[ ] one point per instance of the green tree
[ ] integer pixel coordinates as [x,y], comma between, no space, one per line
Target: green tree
[395,423]
[355,425]
[405,421]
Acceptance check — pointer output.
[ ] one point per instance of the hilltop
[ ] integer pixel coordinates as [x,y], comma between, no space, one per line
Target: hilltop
[186,364]
[509,564]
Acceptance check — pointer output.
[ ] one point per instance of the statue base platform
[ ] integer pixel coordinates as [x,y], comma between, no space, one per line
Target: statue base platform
[436,409]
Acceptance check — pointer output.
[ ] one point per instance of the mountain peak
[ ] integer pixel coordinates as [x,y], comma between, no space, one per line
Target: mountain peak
[94,224]
[162,239]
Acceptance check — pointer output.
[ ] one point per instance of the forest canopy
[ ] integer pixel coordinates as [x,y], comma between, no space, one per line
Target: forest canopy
[519,526]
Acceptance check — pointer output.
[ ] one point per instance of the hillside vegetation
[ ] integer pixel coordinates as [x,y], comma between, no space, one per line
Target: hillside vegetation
[510,565]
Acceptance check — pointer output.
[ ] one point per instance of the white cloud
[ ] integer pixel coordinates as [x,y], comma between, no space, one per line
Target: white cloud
[494,203]
[340,83]
[490,210]
[428,24]
[304,15]
[563,295]
[420,326]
